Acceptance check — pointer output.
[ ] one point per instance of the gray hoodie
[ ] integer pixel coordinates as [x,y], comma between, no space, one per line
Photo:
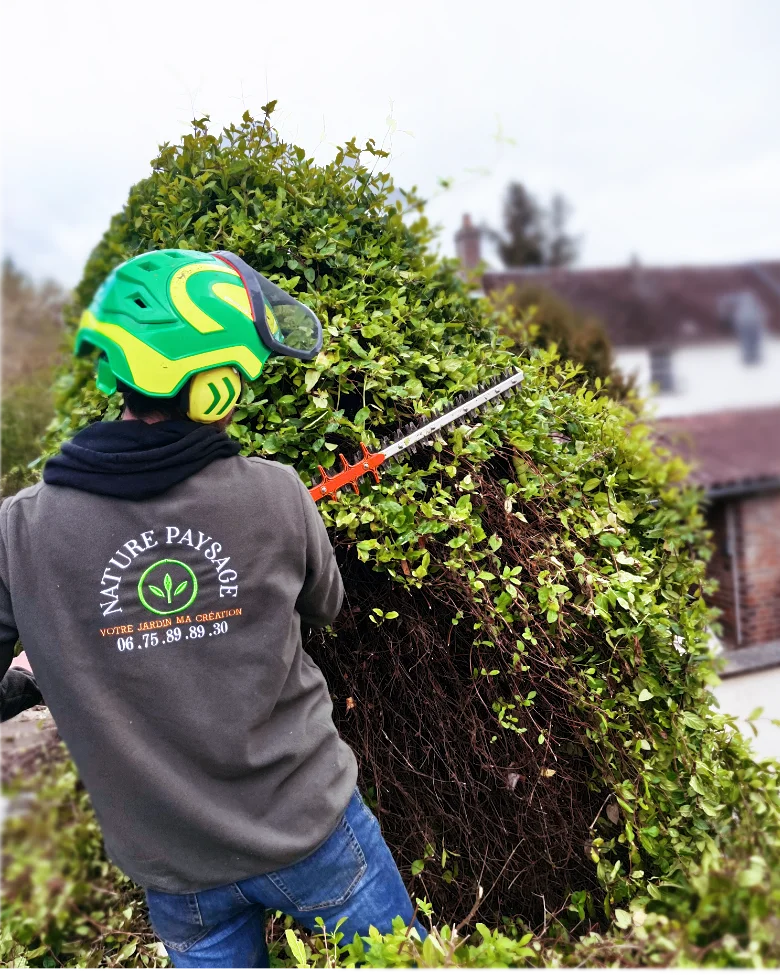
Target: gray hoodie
[165,635]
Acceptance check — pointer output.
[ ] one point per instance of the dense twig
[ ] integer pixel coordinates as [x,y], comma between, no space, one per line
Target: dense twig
[422,724]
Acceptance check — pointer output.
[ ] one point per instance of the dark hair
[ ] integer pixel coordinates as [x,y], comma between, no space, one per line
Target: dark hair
[140,405]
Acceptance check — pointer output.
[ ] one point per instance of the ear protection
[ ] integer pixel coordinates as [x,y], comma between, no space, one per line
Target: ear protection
[212,394]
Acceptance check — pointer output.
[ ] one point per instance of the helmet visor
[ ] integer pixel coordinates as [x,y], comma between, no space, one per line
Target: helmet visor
[285,326]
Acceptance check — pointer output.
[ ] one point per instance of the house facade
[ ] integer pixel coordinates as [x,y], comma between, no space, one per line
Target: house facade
[703,344]
[696,339]
[735,458]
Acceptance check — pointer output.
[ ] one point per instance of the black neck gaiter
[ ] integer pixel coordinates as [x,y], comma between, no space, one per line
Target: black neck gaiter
[134,460]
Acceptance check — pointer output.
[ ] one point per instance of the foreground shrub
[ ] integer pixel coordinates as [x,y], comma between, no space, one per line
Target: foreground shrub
[32,336]
[64,906]
[32,324]
[522,661]
[537,317]
[27,409]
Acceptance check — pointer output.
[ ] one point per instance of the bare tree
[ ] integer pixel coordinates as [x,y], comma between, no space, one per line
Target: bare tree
[561,248]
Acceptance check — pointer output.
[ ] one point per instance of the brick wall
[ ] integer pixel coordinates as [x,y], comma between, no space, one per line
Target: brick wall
[757,524]
[760,565]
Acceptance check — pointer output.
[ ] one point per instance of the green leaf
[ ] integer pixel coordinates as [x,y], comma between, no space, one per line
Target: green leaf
[311,380]
[371,331]
[297,948]
[126,951]
[610,540]
[181,587]
[693,721]
[622,918]
[355,346]
[156,590]
[40,951]
[645,695]
[463,507]
[417,867]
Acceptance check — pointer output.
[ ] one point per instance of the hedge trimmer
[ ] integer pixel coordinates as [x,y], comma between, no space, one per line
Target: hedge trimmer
[409,437]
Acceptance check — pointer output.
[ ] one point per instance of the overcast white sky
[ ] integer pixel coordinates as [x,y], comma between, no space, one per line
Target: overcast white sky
[658,120]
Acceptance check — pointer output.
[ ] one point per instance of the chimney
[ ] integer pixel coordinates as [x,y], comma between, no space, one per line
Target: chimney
[467,241]
[642,283]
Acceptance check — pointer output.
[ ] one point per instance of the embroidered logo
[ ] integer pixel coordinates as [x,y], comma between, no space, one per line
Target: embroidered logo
[167,586]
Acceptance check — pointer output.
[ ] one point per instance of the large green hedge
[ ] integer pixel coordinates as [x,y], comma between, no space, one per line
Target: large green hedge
[522,664]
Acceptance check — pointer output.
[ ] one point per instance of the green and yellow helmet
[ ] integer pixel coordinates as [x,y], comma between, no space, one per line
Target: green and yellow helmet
[166,316]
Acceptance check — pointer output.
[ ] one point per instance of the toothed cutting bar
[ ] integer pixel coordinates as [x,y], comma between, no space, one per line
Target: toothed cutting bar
[468,406]
[408,438]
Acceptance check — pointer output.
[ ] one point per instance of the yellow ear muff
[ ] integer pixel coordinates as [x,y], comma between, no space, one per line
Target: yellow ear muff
[213,393]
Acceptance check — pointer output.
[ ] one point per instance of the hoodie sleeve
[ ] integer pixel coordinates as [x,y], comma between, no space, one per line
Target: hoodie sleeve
[322,592]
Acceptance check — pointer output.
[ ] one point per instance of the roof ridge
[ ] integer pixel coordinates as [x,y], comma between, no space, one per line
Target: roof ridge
[677,305]
[750,265]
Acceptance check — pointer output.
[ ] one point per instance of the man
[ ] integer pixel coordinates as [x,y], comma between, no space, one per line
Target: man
[158,582]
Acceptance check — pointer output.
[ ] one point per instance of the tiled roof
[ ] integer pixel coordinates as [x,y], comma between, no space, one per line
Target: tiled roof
[655,306]
[728,450]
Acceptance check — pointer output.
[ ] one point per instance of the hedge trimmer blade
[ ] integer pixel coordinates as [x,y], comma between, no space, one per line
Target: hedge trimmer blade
[411,436]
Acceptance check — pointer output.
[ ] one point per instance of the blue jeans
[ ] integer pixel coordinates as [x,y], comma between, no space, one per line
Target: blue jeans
[351,874]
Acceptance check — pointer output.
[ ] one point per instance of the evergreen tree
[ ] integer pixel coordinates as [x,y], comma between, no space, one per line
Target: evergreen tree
[534,236]
[522,243]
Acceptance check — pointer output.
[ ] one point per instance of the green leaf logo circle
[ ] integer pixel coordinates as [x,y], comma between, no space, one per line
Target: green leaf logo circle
[167,586]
